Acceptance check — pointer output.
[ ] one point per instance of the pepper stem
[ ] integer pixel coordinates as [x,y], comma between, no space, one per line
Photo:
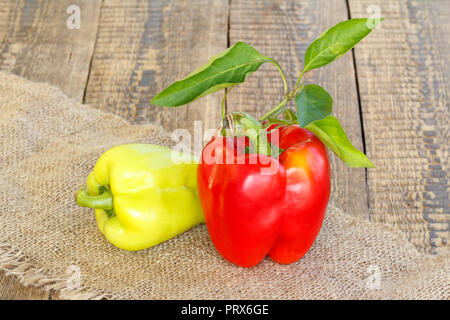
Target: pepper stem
[274,110]
[102,201]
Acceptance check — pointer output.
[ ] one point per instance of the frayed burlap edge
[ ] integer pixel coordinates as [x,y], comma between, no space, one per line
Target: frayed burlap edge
[16,265]
[13,263]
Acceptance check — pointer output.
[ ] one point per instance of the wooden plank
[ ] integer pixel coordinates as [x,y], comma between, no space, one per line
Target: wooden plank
[37,44]
[404,85]
[283,30]
[144,46]
[11,289]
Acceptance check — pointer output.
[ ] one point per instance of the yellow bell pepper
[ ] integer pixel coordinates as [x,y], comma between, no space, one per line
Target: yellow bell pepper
[141,196]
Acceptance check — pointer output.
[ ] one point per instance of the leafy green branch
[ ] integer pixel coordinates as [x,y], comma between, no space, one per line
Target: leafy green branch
[313,103]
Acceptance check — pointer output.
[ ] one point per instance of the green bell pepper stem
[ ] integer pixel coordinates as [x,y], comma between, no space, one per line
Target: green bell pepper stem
[102,201]
[274,110]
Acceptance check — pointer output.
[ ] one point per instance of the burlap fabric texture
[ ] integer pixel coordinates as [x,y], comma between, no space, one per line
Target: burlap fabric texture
[48,145]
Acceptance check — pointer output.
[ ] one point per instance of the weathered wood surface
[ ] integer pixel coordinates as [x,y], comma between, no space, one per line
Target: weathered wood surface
[404,84]
[11,289]
[125,52]
[143,46]
[37,44]
[283,30]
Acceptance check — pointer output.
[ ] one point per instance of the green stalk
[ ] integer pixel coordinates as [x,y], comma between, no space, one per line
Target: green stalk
[222,105]
[102,201]
[262,144]
[282,75]
[276,109]
[287,97]
[297,84]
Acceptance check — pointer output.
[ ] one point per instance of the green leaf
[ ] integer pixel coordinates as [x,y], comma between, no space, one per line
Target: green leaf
[227,69]
[313,103]
[336,41]
[289,114]
[330,132]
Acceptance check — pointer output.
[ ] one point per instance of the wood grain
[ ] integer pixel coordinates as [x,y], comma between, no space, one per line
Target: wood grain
[404,84]
[283,30]
[37,44]
[143,47]
[11,289]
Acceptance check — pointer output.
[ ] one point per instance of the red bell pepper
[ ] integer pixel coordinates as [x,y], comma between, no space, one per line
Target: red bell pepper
[260,196]
[250,214]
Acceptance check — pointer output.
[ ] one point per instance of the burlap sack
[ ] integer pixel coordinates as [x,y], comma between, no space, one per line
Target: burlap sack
[48,145]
